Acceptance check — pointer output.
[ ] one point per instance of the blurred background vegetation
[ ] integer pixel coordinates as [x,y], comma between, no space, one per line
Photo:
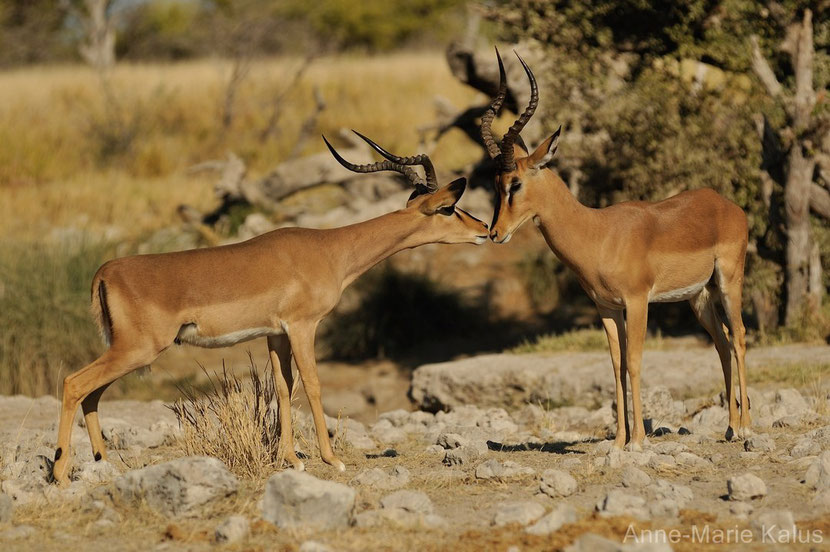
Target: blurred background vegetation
[104,106]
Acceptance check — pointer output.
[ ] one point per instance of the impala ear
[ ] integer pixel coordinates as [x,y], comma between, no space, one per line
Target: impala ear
[545,152]
[447,196]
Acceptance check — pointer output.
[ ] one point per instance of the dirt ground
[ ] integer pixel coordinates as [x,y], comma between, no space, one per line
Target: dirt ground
[466,502]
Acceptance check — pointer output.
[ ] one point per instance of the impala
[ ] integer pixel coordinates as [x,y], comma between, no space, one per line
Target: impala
[278,285]
[689,247]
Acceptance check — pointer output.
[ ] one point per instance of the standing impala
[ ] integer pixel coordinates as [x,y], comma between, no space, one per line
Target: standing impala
[688,247]
[278,285]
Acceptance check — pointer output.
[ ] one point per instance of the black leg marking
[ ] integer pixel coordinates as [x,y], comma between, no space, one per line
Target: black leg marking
[97,456]
[58,454]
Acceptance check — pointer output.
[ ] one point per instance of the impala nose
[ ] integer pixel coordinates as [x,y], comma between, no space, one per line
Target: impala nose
[494,235]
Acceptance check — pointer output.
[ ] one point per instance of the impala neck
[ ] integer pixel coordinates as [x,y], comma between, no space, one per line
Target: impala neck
[569,227]
[367,243]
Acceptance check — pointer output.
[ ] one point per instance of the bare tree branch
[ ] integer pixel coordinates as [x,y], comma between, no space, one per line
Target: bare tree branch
[805,97]
[820,201]
[763,70]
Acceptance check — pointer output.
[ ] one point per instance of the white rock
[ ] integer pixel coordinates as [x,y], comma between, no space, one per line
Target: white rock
[740,509]
[521,512]
[791,400]
[393,478]
[633,477]
[557,483]
[745,487]
[818,474]
[759,443]
[178,487]
[314,546]
[805,447]
[6,508]
[411,501]
[493,469]
[397,418]
[617,502]
[462,455]
[299,500]
[553,521]
[233,529]
[776,526]
[95,472]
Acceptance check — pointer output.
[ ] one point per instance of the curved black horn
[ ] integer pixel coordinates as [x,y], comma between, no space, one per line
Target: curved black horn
[508,162]
[492,111]
[410,175]
[421,159]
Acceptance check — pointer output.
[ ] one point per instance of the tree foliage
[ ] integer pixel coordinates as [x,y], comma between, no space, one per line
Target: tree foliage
[660,97]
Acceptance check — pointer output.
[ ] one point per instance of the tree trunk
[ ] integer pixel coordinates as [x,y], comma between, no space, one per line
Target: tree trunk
[799,239]
[800,170]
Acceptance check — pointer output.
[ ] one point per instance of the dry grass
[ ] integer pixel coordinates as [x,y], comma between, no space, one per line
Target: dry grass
[60,163]
[234,422]
[591,339]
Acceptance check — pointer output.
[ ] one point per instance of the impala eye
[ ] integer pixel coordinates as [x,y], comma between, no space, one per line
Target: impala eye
[515,186]
[447,211]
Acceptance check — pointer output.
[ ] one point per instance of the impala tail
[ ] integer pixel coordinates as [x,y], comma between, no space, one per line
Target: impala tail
[100,309]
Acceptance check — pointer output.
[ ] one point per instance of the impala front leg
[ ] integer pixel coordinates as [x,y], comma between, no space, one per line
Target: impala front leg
[614,323]
[302,345]
[279,349]
[635,322]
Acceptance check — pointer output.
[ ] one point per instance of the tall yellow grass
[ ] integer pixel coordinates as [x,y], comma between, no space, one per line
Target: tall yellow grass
[57,168]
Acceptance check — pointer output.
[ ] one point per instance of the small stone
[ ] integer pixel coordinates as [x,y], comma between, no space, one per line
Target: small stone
[95,472]
[411,501]
[683,431]
[6,508]
[818,474]
[689,459]
[462,455]
[777,526]
[745,487]
[557,483]
[553,521]
[633,477]
[434,449]
[314,546]
[393,478]
[805,447]
[389,435]
[18,532]
[233,529]
[299,500]
[821,502]
[521,512]
[662,461]
[178,487]
[740,509]
[618,502]
[759,443]
[493,469]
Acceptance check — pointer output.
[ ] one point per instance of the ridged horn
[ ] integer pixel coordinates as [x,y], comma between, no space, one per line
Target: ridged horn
[492,111]
[508,163]
[420,159]
[410,175]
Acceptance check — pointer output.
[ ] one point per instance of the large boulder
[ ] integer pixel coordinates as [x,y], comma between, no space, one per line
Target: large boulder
[179,487]
[297,499]
[509,380]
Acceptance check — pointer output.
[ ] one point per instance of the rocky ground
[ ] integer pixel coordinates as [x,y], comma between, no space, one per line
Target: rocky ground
[519,470]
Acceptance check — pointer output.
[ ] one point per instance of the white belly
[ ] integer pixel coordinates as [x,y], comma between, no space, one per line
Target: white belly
[674,295]
[189,333]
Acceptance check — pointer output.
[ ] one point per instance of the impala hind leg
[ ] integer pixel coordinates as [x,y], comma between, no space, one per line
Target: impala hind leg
[730,283]
[93,426]
[78,386]
[614,323]
[703,305]
[279,348]
[302,345]
[636,317]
